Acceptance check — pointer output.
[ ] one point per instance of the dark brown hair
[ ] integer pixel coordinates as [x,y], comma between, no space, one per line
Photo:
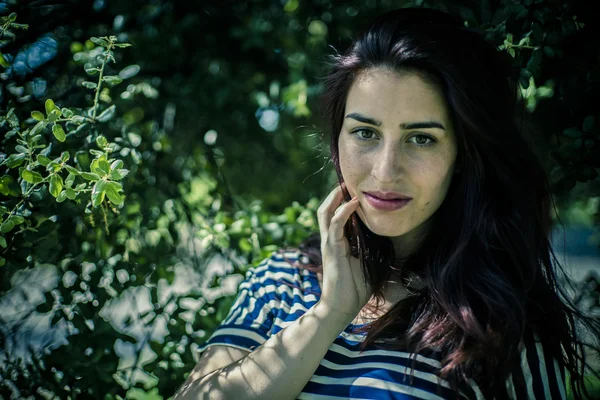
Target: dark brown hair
[488,261]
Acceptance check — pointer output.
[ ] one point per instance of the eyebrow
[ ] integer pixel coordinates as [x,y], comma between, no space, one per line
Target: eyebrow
[406,125]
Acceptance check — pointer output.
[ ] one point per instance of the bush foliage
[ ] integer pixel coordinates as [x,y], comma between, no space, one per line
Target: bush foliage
[142,139]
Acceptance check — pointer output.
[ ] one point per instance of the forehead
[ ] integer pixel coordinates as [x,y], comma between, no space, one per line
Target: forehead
[396,97]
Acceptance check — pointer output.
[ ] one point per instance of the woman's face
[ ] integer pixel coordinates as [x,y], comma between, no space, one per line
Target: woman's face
[397,137]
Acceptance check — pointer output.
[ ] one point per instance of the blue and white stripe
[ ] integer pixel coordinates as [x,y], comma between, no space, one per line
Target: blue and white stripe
[265,305]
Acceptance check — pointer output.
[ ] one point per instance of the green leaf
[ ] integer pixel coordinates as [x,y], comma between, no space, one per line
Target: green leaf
[118,174]
[67,113]
[12,119]
[61,197]
[90,176]
[92,71]
[99,41]
[112,80]
[59,132]
[21,149]
[7,226]
[31,176]
[14,160]
[54,115]
[56,185]
[100,186]
[101,141]
[107,114]
[588,123]
[544,92]
[245,245]
[70,180]
[81,186]
[50,106]
[72,170]
[123,45]
[71,194]
[112,191]
[43,160]
[572,132]
[89,85]
[3,242]
[3,61]
[37,128]
[53,166]
[103,166]
[38,116]
[129,71]
[7,188]
[116,164]
[100,166]
[98,193]
[17,219]
[77,119]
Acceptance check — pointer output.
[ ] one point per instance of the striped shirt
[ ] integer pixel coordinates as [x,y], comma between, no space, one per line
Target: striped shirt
[266,303]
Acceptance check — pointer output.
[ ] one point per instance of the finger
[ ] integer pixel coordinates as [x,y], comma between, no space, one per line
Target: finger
[339,220]
[327,209]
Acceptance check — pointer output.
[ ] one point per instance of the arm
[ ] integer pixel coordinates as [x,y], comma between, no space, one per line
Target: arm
[279,368]
[285,362]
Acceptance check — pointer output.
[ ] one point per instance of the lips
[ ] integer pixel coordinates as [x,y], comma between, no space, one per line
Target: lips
[388,195]
[386,205]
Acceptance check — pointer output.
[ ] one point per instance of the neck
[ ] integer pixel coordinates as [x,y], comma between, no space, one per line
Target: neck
[408,243]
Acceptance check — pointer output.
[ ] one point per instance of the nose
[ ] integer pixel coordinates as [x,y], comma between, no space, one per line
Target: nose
[389,164]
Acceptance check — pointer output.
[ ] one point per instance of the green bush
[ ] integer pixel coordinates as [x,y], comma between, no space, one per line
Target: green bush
[134,164]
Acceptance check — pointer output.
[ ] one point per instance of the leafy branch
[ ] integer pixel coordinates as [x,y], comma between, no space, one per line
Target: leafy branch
[31,152]
[6,24]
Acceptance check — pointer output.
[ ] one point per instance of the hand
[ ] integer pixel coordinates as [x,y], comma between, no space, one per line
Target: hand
[344,289]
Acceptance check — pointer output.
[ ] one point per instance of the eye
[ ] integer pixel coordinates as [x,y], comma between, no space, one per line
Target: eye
[359,133]
[420,140]
[423,140]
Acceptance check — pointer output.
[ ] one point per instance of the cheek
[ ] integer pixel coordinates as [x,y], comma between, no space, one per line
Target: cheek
[436,179]
[345,156]
[352,167]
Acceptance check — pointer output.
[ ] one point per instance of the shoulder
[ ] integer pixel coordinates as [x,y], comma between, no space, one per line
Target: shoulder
[284,268]
[281,262]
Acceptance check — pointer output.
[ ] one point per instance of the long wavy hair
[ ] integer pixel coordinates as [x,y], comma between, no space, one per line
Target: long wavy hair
[488,264]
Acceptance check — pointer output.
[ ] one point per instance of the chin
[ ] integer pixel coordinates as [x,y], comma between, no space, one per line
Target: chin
[388,232]
[384,228]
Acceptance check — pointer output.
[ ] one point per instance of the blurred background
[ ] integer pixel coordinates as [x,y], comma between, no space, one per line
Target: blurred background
[152,151]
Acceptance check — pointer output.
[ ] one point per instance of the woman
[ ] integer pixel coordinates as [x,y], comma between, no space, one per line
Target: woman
[431,276]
